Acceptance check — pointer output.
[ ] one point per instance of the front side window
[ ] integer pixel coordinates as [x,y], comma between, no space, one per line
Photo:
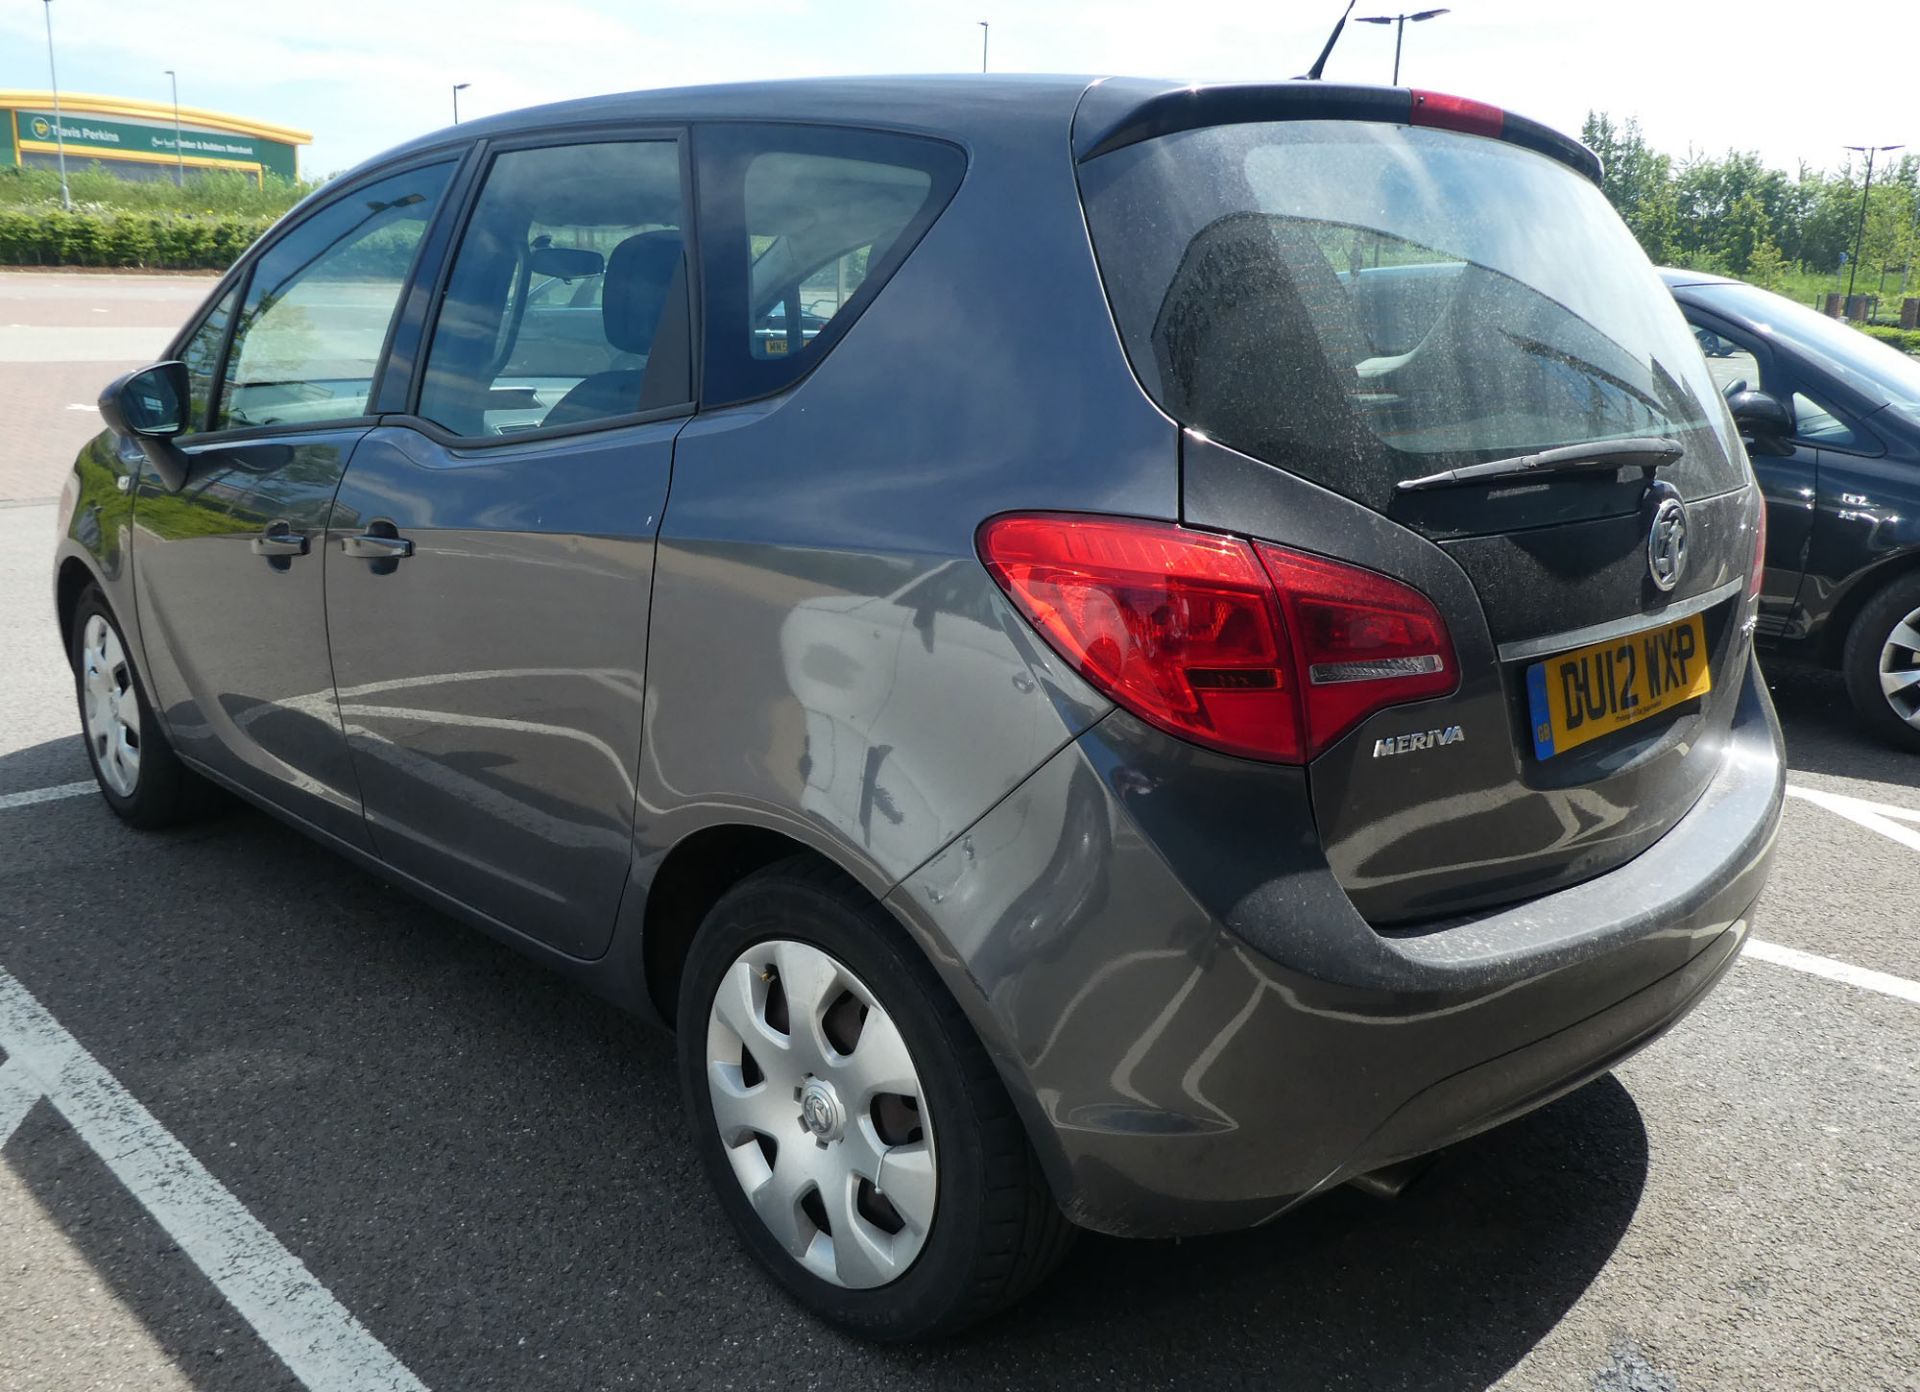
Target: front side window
[565,292]
[319,304]
[1732,363]
[802,226]
[1737,364]
[1874,371]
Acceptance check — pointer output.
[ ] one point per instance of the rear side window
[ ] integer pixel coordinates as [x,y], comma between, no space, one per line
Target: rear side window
[320,302]
[1363,303]
[800,228]
[567,301]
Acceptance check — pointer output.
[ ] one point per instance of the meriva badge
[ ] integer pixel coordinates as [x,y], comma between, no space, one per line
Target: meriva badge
[1417,740]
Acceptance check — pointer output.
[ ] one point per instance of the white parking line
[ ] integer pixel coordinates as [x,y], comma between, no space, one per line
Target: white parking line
[17,1096]
[1874,816]
[53,794]
[1845,972]
[323,1345]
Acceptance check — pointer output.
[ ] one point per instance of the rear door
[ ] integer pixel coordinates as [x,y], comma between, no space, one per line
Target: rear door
[230,568]
[490,554]
[1337,308]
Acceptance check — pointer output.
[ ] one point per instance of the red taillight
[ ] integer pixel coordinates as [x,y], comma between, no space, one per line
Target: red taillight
[1457,114]
[1759,573]
[1364,641]
[1262,652]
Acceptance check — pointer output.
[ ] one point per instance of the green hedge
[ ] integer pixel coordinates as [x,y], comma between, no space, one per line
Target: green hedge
[178,241]
[1906,340]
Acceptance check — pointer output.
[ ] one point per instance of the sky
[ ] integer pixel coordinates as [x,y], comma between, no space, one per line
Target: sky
[366,74]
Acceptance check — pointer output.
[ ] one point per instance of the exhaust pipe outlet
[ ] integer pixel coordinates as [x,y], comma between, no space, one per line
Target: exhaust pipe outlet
[1391,1181]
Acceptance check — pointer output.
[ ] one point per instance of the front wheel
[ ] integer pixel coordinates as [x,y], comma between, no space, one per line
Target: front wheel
[849,1119]
[1882,663]
[140,776]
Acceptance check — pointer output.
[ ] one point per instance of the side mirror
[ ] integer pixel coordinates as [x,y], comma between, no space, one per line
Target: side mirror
[150,407]
[1764,422]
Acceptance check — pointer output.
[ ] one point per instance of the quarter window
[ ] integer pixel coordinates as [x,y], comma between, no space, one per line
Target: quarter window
[801,228]
[567,300]
[813,222]
[320,302]
[1817,425]
[202,357]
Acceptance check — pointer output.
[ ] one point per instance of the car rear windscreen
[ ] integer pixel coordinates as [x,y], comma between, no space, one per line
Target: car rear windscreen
[1363,303]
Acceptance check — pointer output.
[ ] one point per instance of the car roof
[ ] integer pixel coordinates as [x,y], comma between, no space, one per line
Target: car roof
[955,105]
[1675,277]
[978,106]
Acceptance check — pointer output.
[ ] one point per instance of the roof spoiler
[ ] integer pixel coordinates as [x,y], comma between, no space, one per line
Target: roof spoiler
[1107,121]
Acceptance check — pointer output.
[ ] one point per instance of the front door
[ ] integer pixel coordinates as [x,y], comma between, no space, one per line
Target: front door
[1787,473]
[490,556]
[229,570]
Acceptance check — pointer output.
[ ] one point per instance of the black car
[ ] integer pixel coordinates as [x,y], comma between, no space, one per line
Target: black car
[1831,419]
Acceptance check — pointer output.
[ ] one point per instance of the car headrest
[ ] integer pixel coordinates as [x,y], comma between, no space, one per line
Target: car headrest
[640,272]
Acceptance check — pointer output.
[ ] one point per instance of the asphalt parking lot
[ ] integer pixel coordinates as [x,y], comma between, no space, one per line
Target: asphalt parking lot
[260,1111]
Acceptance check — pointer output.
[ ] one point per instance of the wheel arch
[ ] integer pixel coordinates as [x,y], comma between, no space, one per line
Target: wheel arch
[70,583]
[689,880]
[1865,587]
[705,863]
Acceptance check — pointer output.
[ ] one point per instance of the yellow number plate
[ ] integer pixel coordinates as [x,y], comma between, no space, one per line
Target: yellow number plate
[1595,690]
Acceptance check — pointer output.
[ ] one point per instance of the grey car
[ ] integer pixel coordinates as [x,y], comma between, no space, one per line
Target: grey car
[1106,654]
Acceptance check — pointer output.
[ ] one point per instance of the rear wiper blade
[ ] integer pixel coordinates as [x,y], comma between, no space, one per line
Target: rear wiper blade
[1648,454]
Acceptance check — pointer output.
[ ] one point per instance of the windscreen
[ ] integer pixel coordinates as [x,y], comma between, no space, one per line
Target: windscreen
[1363,303]
[1879,373]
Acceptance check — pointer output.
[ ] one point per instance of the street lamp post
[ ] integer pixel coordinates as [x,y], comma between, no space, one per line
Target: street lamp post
[458,88]
[1399,23]
[985,29]
[59,139]
[179,159]
[1860,237]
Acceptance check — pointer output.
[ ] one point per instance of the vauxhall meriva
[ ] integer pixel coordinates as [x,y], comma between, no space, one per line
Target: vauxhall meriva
[1107,654]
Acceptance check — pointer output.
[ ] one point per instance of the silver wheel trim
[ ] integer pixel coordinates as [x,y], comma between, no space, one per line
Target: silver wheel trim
[803,1079]
[1900,669]
[109,707]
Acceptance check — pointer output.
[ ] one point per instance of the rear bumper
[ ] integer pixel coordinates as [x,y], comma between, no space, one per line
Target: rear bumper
[1201,1031]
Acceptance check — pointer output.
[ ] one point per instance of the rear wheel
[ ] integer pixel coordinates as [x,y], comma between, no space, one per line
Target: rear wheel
[1882,663]
[850,1121]
[140,776]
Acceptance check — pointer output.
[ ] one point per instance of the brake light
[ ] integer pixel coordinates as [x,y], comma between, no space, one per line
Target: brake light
[1363,640]
[1443,112]
[1759,572]
[1252,650]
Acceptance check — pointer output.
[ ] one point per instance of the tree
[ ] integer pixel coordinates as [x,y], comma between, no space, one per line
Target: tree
[1637,180]
[1744,230]
[1766,267]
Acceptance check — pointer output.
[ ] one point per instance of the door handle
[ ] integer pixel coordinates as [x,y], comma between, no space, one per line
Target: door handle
[376,548]
[279,539]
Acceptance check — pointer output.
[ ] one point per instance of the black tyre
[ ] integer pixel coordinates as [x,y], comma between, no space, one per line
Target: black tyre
[1882,663]
[851,1122]
[140,776]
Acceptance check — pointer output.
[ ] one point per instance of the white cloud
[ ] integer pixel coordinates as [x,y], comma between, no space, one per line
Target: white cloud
[365,74]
